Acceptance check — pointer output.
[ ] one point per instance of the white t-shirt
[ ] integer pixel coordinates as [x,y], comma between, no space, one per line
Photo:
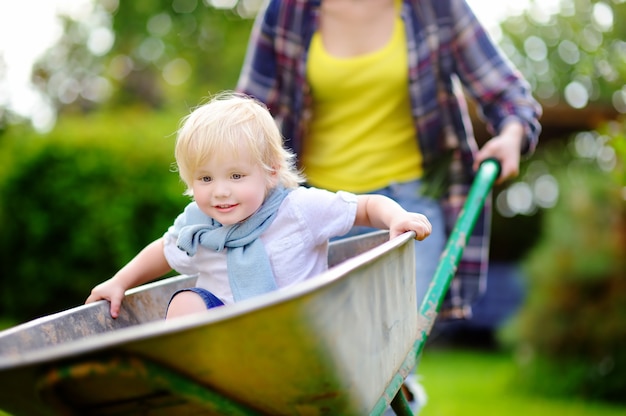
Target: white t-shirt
[296,241]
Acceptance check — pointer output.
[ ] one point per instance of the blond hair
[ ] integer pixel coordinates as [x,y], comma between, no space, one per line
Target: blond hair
[224,125]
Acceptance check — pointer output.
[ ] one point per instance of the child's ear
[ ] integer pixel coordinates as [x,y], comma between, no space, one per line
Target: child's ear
[272,177]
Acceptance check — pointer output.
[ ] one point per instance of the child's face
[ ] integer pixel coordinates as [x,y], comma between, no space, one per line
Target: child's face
[230,188]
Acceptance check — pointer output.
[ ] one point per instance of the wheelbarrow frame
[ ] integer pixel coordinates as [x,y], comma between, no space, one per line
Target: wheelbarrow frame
[486,176]
[153,373]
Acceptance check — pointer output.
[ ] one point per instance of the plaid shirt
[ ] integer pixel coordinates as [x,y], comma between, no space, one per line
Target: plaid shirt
[448,52]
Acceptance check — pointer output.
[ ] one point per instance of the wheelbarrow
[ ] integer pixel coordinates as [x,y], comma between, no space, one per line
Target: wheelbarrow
[340,343]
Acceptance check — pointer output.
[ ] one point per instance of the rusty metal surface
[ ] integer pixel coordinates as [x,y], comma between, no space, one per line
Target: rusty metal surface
[330,345]
[141,305]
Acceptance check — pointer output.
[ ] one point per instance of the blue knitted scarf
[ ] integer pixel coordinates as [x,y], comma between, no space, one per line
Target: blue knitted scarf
[249,269]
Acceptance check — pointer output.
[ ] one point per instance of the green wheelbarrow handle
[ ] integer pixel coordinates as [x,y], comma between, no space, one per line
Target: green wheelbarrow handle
[482,184]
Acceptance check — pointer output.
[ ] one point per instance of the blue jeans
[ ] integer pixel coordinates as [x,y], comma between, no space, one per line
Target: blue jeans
[210,300]
[428,251]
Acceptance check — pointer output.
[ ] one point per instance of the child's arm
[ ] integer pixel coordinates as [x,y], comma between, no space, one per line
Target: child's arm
[148,265]
[381,212]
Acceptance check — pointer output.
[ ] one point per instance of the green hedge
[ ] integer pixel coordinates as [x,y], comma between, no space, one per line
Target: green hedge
[571,331]
[78,203]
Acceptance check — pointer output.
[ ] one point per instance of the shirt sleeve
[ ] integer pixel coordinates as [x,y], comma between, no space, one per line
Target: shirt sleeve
[329,214]
[177,258]
[258,75]
[488,75]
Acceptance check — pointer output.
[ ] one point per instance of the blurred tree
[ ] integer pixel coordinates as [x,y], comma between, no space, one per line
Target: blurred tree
[163,52]
[80,204]
[570,333]
[152,53]
[572,53]
[5,114]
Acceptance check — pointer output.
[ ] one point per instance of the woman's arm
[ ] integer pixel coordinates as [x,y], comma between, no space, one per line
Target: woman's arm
[499,88]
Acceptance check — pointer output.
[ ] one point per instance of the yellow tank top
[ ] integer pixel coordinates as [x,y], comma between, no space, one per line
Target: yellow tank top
[361,136]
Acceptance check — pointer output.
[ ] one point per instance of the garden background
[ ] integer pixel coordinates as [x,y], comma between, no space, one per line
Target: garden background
[83,190]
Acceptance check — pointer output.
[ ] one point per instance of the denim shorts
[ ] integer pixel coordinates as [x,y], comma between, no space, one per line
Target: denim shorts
[210,300]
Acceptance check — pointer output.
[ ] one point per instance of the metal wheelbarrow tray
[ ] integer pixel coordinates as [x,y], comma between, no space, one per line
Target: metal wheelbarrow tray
[340,343]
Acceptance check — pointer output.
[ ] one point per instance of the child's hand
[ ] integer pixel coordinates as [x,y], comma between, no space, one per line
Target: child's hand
[381,212]
[111,291]
[410,221]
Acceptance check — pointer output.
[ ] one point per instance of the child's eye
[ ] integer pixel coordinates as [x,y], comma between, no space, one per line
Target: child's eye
[206,179]
[237,176]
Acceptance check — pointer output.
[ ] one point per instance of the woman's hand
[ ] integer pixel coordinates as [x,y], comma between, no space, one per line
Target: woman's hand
[506,149]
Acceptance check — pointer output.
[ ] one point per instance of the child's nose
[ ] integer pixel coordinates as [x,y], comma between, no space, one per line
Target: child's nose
[222,188]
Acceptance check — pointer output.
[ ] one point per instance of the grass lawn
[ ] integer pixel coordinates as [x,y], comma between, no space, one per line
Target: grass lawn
[469,382]
[480,382]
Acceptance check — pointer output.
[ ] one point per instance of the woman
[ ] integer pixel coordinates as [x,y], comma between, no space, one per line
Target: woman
[368,94]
